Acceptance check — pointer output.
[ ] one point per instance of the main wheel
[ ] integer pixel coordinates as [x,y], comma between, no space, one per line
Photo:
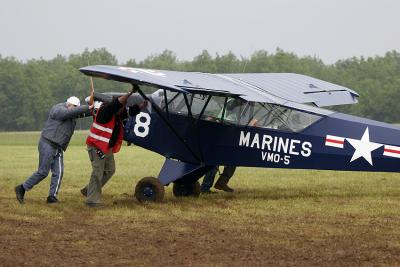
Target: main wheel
[149,189]
[186,189]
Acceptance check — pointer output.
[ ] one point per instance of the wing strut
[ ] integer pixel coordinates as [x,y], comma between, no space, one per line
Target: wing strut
[156,108]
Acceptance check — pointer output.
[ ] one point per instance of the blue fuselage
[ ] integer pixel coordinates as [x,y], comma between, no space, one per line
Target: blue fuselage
[335,142]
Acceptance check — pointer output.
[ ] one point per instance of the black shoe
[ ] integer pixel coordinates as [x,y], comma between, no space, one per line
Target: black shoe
[19,193]
[221,185]
[51,200]
[84,191]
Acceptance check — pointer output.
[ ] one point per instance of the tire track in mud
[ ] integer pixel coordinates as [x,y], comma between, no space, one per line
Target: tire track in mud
[80,238]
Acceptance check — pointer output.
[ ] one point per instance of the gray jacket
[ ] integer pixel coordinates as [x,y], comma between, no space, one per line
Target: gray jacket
[60,124]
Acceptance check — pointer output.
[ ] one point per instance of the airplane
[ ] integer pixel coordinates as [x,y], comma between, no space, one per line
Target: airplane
[273,120]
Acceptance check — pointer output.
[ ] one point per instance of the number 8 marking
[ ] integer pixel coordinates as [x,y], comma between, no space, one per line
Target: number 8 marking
[141,128]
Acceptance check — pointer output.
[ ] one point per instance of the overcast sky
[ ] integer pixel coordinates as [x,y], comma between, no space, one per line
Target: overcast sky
[328,29]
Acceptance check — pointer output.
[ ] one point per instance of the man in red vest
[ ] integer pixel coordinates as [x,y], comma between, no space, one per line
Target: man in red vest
[105,138]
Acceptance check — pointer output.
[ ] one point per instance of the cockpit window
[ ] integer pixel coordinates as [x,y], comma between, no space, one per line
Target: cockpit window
[197,102]
[279,117]
[235,111]
[213,110]
[176,103]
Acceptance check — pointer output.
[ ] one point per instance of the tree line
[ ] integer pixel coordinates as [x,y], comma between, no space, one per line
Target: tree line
[28,89]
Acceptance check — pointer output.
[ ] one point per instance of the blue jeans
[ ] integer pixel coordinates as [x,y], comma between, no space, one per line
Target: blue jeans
[208,180]
[50,158]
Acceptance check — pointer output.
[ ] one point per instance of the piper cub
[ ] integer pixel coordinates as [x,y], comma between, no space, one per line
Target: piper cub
[274,120]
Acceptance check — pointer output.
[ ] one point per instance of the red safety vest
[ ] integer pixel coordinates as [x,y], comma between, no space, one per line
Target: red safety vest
[100,135]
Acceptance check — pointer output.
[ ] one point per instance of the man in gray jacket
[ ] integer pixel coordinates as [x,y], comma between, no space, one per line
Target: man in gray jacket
[54,139]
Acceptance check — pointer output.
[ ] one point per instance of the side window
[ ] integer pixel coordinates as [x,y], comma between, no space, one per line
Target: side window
[177,104]
[278,117]
[213,111]
[197,102]
[290,119]
[238,111]
[158,98]
[233,110]
[261,115]
[298,120]
[246,111]
[170,97]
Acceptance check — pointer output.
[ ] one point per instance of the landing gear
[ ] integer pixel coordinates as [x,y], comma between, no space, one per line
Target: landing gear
[186,189]
[149,189]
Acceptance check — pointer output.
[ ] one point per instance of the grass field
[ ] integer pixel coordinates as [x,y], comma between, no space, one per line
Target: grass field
[275,217]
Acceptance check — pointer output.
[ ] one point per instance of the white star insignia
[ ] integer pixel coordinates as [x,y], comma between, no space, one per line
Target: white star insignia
[363,147]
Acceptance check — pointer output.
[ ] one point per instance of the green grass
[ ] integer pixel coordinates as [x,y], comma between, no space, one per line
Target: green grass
[275,217]
[31,138]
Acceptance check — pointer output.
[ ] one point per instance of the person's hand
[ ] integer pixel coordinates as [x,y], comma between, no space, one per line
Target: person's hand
[91,107]
[123,99]
[134,89]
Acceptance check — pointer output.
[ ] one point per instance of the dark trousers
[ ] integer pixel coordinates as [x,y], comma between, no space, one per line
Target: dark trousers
[50,158]
[209,178]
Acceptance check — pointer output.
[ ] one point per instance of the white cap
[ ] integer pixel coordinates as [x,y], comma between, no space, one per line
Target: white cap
[74,101]
[97,104]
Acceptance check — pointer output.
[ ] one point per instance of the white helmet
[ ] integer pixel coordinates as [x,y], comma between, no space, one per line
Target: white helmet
[74,101]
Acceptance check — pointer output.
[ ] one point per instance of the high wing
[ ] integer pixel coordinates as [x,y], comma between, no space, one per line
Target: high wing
[131,75]
[277,88]
[299,88]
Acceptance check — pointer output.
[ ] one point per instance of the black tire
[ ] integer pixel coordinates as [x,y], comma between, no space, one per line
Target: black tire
[186,189]
[149,189]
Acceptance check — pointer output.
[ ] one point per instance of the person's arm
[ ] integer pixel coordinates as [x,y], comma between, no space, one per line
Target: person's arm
[107,111]
[87,113]
[61,112]
[123,99]
[134,110]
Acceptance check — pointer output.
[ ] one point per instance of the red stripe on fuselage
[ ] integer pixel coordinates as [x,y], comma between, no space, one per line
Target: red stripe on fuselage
[335,141]
[392,151]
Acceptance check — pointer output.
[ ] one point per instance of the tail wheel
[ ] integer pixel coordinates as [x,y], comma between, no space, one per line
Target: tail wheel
[149,189]
[186,189]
